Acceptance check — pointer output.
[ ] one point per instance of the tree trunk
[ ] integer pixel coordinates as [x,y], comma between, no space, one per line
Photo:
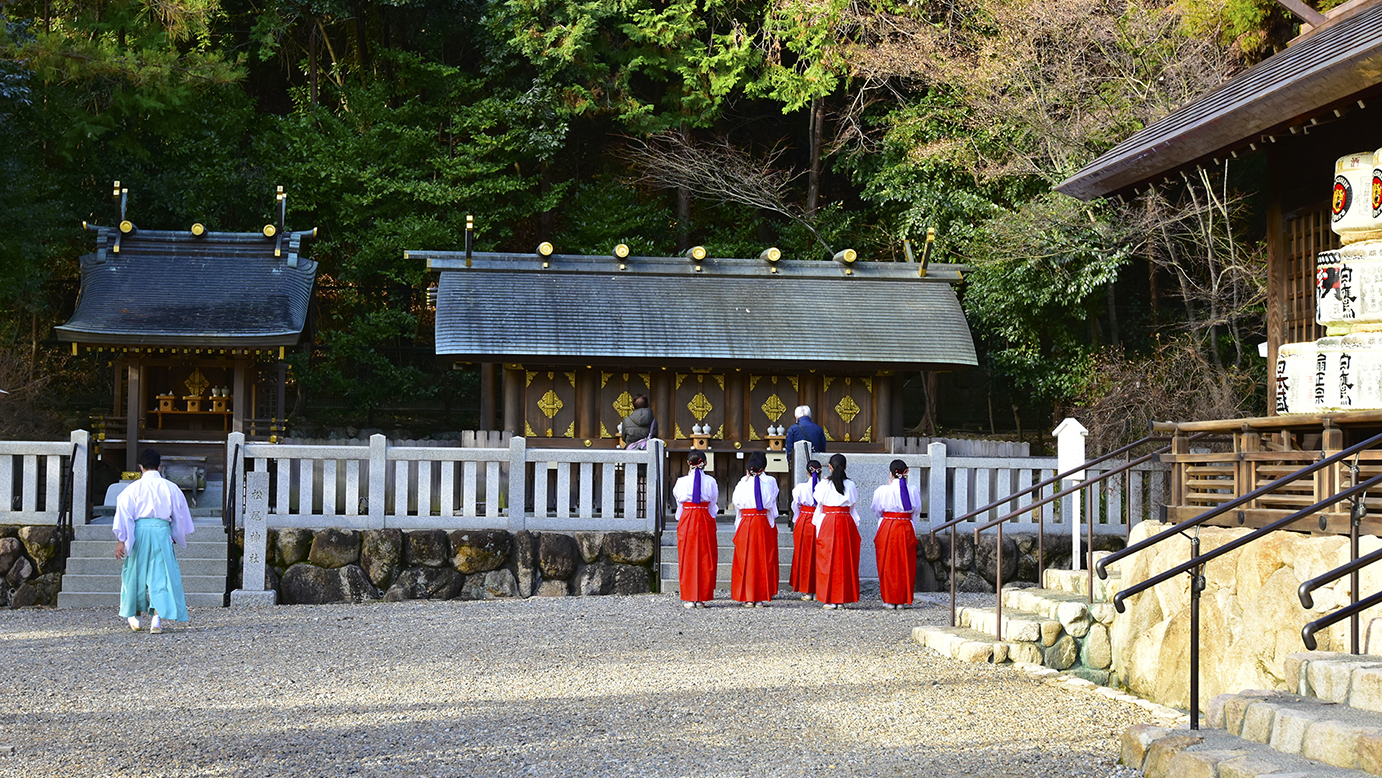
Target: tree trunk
[683,219]
[813,181]
[1112,314]
[361,45]
[312,65]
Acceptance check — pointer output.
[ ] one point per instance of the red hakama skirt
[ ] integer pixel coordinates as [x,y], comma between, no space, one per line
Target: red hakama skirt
[697,552]
[804,552]
[754,576]
[837,557]
[896,544]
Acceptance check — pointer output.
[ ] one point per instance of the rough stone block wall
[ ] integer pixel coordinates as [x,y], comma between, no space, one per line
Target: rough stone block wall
[334,565]
[30,570]
[976,564]
[1250,615]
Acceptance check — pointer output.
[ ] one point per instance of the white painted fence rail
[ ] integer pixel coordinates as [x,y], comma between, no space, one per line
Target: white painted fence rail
[31,478]
[354,485]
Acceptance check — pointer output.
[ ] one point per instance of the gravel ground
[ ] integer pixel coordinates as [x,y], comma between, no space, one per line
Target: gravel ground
[633,686]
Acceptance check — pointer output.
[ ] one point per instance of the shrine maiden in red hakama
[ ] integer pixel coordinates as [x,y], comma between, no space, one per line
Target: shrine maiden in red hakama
[837,537]
[698,500]
[803,577]
[896,504]
[754,577]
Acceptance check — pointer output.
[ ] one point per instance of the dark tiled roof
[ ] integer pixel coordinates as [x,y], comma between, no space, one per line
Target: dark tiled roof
[1331,68]
[171,289]
[507,307]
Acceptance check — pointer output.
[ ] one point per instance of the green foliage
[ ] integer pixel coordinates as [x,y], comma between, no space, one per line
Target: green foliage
[601,213]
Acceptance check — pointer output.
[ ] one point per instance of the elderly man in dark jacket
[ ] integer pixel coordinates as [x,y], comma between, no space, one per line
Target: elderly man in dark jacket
[805,429]
[639,425]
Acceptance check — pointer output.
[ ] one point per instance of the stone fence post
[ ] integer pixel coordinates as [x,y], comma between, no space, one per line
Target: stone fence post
[378,480]
[935,487]
[81,477]
[252,592]
[1070,436]
[518,483]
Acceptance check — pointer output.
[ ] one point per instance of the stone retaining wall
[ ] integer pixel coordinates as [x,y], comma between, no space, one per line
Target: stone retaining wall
[976,565]
[334,565]
[30,571]
[1250,616]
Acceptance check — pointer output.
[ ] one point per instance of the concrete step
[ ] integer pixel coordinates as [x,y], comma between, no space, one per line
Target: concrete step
[1071,610]
[1213,753]
[111,600]
[105,547]
[1077,581]
[724,537]
[108,565]
[97,584]
[205,528]
[1343,679]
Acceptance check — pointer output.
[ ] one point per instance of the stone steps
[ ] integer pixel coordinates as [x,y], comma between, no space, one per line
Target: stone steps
[92,579]
[724,540]
[1333,726]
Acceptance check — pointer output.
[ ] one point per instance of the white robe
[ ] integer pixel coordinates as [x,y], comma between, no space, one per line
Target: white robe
[888,499]
[826,496]
[801,496]
[710,492]
[151,497]
[743,498]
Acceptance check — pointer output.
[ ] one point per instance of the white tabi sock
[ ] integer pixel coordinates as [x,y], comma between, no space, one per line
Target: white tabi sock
[156,623]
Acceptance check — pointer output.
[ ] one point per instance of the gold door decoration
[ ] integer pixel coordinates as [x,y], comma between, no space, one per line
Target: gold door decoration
[698,399]
[847,408]
[551,404]
[617,391]
[771,402]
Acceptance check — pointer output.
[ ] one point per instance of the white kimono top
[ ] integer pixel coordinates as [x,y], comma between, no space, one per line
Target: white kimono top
[888,499]
[802,494]
[151,497]
[743,497]
[710,492]
[827,496]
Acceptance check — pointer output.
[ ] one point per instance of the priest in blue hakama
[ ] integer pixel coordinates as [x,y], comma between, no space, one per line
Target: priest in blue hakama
[151,515]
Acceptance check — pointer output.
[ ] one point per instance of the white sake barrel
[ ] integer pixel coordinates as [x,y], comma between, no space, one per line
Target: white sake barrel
[1377,190]
[1360,371]
[1348,286]
[1324,379]
[1351,205]
[1295,378]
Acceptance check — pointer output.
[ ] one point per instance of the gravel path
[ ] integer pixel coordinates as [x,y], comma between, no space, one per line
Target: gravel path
[634,686]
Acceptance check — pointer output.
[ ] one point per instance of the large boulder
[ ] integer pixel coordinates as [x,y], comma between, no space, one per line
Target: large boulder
[926,577]
[293,546]
[553,589]
[595,579]
[334,547]
[629,548]
[928,547]
[964,550]
[631,579]
[42,544]
[305,584]
[20,571]
[489,586]
[41,591]
[557,556]
[523,562]
[10,550]
[426,583]
[590,544]
[381,555]
[426,548]
[986,558]
[480,551]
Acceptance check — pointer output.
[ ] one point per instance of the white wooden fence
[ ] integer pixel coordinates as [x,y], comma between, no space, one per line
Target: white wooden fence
[378,485]
[31,478]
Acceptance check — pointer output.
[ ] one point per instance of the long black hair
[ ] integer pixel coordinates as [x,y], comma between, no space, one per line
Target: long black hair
[696,458]
[758,462]
[897,467]
[837,472]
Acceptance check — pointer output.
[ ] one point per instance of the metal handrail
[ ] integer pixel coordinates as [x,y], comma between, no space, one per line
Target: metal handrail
[1041,526]
[66,508]
[1102,566]
[228,521]
[1356,563]
[1307,633]
[1195,566]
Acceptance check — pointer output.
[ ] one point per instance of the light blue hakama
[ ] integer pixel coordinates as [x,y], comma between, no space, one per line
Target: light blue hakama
[151,579]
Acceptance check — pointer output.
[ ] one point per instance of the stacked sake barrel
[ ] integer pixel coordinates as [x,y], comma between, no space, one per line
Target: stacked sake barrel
[1343,370]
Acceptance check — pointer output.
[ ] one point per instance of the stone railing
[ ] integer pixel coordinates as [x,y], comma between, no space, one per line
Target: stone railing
[31,479]
[426,487]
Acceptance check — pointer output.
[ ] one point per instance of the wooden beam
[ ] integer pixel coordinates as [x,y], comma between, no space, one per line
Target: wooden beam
[1303,12]
[513,399]
[1278,271]
[134,406]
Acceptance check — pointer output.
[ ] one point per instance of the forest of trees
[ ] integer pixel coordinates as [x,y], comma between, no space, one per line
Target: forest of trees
[811,125]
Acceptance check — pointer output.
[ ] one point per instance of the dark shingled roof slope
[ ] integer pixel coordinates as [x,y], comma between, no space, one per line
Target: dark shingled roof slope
[1332,68]
[222,290]
[732,312]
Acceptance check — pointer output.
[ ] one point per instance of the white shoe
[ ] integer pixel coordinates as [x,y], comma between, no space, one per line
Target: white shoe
[133,621]
[688,604]
[156,626]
